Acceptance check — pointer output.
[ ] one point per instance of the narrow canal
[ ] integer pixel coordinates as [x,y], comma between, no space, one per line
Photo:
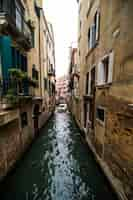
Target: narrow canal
[59,166]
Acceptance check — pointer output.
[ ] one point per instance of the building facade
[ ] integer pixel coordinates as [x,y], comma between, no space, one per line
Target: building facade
[62,89]
[74,78]
[105,60]
[24,91]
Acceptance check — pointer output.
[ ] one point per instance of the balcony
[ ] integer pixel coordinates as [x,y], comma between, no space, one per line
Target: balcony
[13,91]
[12,22]
[8,116]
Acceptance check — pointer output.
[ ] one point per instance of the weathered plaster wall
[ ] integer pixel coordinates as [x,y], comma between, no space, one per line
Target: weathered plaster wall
[10,146]
[113,140]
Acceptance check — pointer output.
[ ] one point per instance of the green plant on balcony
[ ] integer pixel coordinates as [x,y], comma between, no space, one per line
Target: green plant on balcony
[16,77]
[11,97]
[17,74]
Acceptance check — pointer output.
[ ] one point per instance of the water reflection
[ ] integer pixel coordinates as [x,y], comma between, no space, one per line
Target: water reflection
[58,167]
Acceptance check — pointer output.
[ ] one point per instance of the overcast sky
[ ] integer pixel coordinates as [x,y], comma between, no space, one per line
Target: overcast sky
[63,15]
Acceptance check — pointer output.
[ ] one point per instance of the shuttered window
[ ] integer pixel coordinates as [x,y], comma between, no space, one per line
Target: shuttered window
[94,31]
[111,64]
[105,70]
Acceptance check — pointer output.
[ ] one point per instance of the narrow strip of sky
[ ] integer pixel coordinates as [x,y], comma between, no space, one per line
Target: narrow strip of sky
[63,14]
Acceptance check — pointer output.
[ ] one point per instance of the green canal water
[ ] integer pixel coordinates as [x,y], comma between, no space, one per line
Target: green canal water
[59,166]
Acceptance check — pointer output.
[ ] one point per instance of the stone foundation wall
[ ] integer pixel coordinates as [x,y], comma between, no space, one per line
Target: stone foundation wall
[10,146]
[14,140]
[115,146]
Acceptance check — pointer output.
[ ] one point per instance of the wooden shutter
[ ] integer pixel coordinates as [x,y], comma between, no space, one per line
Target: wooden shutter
[89,89]
[100,74]
[111,64]
[97,26]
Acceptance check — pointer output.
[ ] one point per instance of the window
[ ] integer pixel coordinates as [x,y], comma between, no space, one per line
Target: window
[1,5]
[93,32]
[105,63]
[35,73]
[49,86]
[89,35]
[100,114]
[92,81]
[87,83]
[45,83]
[24,119]
[94,29]
[53,88]
[105,70]
[23,63]
[37,9]
[51,68]
[33,39]
[18,17]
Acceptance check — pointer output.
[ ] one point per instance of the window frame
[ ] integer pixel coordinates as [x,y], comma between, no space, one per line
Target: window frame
[98,119]
[94,31]
[102,82]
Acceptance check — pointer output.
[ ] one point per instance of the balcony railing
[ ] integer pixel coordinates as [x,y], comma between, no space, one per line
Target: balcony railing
[14,13]
[16,89]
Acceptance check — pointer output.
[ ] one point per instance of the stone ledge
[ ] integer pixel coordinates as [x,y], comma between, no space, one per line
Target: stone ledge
[115,183]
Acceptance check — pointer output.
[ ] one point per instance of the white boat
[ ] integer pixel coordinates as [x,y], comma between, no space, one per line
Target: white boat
[62,108]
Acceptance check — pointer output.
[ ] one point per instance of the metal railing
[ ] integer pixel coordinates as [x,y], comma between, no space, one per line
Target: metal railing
[15,11]
[7,85]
